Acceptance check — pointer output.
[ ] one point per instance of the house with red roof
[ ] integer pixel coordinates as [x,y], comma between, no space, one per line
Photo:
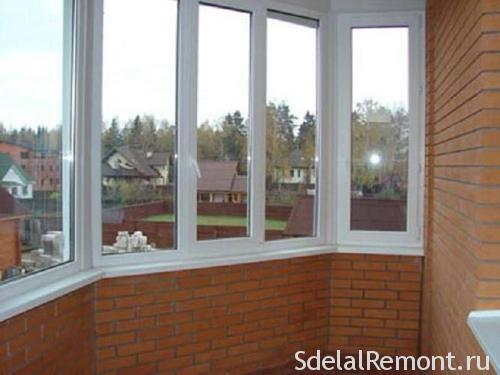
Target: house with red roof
[221,182]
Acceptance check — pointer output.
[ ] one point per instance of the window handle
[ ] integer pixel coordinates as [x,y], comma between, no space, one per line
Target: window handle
[196,166]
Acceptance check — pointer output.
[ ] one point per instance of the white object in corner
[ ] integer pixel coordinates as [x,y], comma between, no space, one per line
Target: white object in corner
[486,328]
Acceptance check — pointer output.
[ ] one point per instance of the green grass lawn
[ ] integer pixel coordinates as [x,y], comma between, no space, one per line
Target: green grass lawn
[228,221]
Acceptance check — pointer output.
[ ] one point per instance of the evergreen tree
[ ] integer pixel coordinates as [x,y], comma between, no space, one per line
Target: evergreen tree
[286,122]
[306,130]
[3,132]
[165,138]
[112,136]
[233,137]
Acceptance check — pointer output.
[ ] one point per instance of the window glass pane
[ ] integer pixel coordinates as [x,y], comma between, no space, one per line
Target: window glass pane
[223,128]
[291,127]
[35,136]
[379,129]
[139,125]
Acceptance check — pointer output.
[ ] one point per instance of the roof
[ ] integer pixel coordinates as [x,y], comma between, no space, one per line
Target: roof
[20,145]
[141,164]
[9,206]
[221,176]
[30,147]
[301,219]
[240,184]
[158,159]
[7,163]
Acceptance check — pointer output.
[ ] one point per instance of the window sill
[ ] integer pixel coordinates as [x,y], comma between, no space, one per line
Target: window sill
[69,284]
[213,261]
[37,297]
[486,327]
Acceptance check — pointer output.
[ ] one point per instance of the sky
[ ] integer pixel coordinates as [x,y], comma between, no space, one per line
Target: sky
[139,66]
[30,62]
[380,66]
[223,62]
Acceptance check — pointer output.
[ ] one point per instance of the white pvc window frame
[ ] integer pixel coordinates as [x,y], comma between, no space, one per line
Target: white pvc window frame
[409,241]
[90,265]
[16,295]
[189,250]
[320,213]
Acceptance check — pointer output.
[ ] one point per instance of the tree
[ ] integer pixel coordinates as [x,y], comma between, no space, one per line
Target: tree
[55,138]
[3,132]
[26,136]
[277,147]
[147,137]
[306,129]
[209,143]
[165,138]
[132,132]
[306,143]
[140,133]
[233,135]
[378,130]
[286,123]
[112,136]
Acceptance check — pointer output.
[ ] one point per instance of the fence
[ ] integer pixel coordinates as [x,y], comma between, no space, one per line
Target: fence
[162,235]
[367,214]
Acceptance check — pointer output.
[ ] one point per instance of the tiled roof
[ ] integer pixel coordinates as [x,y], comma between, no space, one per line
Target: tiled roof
[137,160]
[6,163]
[221,176]
[158,159]
[301,220]
[31,147]
[9,206]
[240,184]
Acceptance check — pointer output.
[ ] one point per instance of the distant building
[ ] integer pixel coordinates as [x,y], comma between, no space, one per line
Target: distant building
[11,215]
[129,164]
[296,170]
[220,182]
[14,178]
[42,165]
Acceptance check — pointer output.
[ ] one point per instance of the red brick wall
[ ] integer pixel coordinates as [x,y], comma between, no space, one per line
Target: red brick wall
[55,338]
[462,269]
[232,319]
[246,317]
[235,319]
[375,303]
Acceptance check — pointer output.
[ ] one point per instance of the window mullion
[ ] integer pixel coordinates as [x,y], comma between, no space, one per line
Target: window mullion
[83,147]
[258,124]
[325,141]
[94,109]
[187,119]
